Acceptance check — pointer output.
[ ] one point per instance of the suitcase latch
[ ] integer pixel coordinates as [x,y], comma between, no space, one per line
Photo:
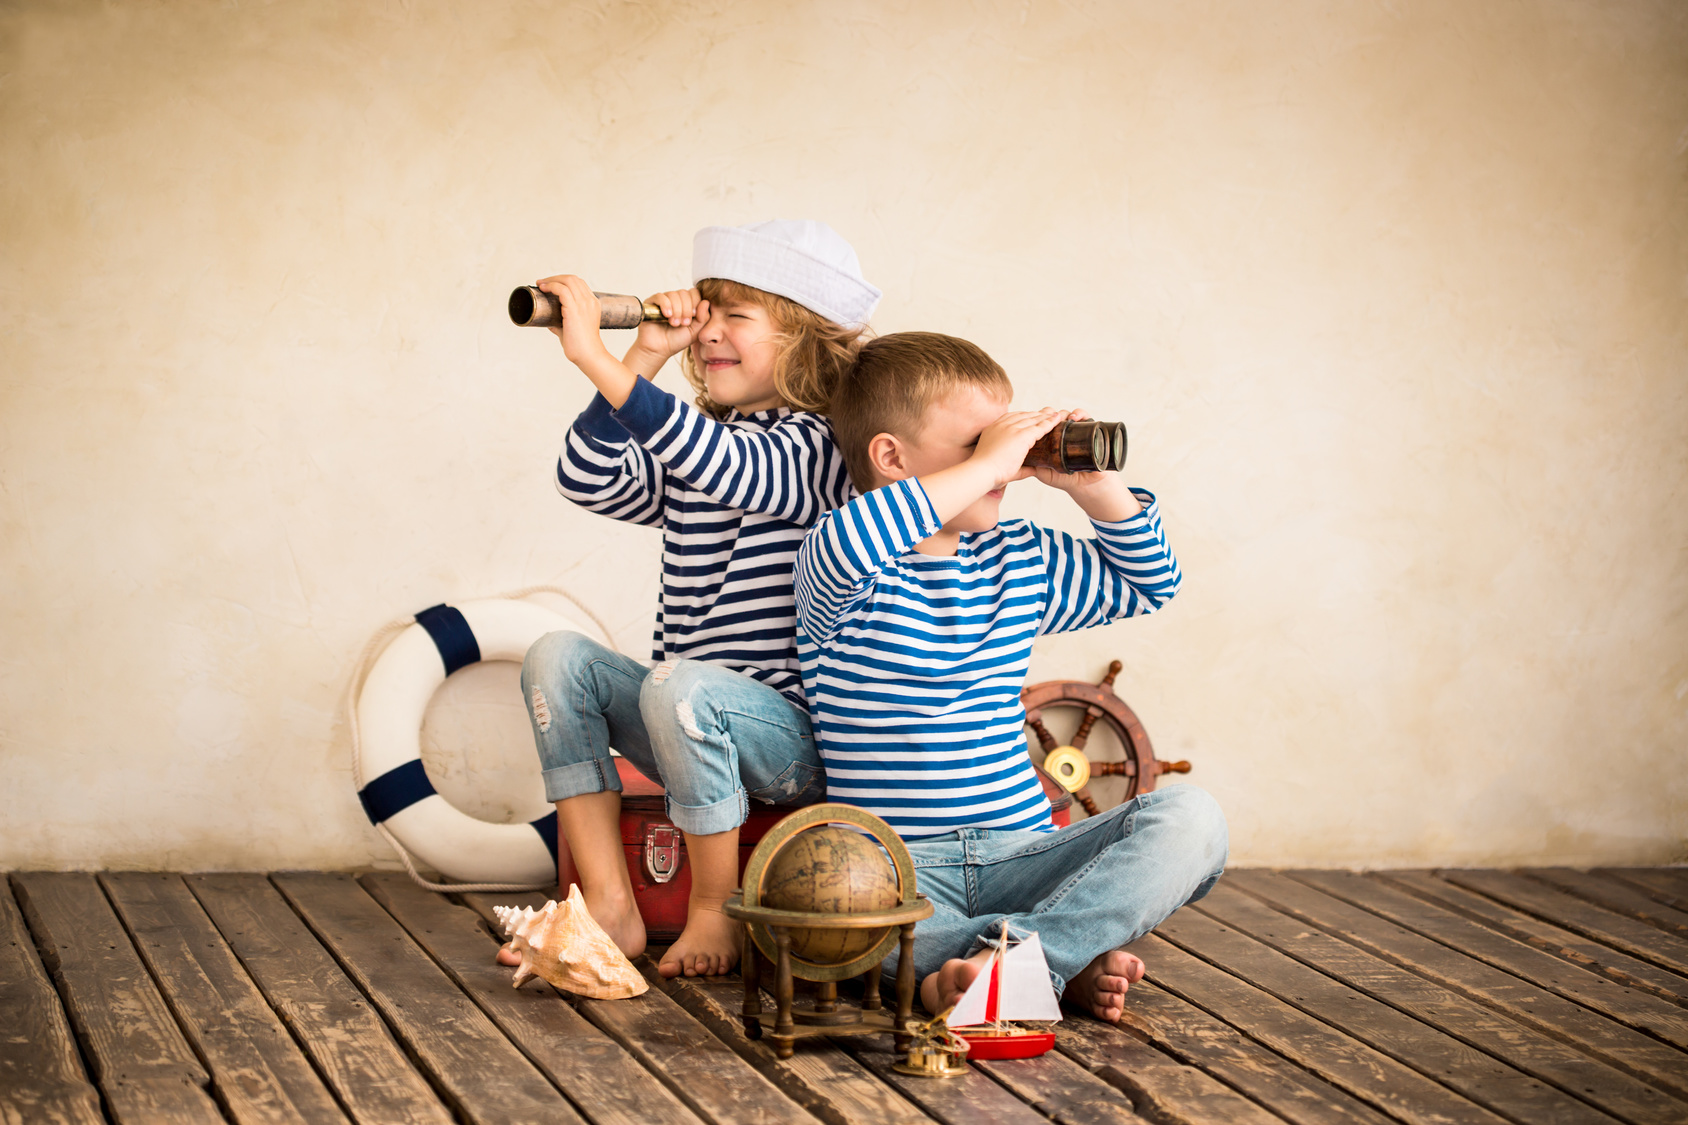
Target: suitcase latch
[662,851]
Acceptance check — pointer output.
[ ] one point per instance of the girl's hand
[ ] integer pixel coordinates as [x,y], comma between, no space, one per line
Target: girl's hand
[684,313]
[581,315]
[1005,442]
[1103,496]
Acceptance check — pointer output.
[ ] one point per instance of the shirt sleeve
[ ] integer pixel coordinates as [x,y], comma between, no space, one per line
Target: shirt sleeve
[603,470]
[791,471]
[845,551]
[1126,571]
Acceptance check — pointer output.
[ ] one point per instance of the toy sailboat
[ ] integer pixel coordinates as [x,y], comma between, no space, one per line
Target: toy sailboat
[1013,986]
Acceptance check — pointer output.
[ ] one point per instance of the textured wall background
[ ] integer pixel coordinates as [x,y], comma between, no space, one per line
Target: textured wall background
[1394,298]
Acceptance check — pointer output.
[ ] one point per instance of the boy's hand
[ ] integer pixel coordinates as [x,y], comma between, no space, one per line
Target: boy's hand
[1005,442]
[684,313]
[1102,496]
[581,315]
[998,458]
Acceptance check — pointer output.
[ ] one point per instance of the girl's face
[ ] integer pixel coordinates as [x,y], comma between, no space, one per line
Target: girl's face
[735,351]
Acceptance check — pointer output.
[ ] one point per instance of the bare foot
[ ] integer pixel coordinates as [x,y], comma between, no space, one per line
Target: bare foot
[708,946]
[627,933]
[940,990]
[1100,987]
[619,915]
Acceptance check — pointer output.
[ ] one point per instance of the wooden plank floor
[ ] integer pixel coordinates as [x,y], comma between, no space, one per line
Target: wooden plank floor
[1533,996]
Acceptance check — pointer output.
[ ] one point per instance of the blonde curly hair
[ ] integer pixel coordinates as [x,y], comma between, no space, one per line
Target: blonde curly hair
[814,352]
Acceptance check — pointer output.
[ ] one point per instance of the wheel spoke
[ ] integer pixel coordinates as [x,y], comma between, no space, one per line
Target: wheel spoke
[1091,714]
[1108,680]
[1044,738]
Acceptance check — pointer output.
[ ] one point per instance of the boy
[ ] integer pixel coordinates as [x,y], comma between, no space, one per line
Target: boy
[916,615]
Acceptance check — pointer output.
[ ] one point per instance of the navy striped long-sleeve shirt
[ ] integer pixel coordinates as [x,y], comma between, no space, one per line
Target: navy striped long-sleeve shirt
[913,664]
[732,498]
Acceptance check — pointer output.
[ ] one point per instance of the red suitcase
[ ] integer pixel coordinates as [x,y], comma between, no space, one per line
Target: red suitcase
[656,851]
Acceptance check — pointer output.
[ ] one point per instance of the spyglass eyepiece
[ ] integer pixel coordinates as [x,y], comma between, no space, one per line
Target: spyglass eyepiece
[1080,447]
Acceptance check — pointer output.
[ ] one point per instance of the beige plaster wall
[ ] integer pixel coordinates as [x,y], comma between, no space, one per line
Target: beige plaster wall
[1393,296]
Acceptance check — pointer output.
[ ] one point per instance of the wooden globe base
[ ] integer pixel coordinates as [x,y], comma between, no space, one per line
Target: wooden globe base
[769,934]
[826,1014]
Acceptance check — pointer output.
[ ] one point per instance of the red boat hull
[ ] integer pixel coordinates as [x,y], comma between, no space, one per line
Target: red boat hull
[1020,1046]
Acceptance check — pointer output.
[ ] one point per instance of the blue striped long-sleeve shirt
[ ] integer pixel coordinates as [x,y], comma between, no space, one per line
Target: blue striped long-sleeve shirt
[913,664]
[732,498]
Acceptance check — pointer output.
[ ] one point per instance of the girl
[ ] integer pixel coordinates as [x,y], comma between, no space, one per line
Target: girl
[775,320]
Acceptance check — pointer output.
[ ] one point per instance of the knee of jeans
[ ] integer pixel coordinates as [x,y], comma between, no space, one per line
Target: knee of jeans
[1201,821]
[557,655]
[553,661]
[669,695]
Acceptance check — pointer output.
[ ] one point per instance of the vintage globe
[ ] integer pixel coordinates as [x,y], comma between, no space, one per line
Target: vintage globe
[831,870]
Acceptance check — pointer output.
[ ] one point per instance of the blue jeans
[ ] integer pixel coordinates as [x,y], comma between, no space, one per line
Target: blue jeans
[1098,885]
[711,737]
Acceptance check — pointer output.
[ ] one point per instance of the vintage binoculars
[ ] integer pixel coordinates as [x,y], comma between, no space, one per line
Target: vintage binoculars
[1080,447]
[531,307]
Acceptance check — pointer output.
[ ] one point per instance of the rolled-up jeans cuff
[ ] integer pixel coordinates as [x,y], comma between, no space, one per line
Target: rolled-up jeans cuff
[706,820]
[578,778]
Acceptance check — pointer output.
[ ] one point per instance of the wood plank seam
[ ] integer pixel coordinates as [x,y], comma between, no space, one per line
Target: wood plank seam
[1470,1068]
[293,1033]
[628,1023]
[1651,883]
[440,925]
[59,1084]
[224,1041]
[1511,992]
[433,1069]
[410,1053]
[1334,1078]
[1491,1029]
[341,1032]
[717,1013]
[168,1080]
[1192,1036]
[1605,926]
[1402,1076]
[572,1100]
[1047,1085]
[1587,1006]
[1611,895]
[1150,1101]
[1565,945]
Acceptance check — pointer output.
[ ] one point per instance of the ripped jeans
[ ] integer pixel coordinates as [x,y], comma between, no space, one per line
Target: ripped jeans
[712,737]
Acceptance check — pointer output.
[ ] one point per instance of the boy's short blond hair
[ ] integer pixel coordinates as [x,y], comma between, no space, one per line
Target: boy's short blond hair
[814,352]
[894,382]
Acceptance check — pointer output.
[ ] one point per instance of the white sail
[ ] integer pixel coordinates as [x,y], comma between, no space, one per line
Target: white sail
[1025,992]
[969,1011]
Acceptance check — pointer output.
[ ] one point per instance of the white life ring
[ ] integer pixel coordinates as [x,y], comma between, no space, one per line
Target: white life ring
[390,708]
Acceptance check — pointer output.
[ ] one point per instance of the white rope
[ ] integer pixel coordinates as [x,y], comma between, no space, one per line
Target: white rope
[371,652]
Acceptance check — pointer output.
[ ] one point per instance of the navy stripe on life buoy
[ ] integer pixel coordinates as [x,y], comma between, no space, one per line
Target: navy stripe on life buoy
[452,636]
[546,826]
[396,790]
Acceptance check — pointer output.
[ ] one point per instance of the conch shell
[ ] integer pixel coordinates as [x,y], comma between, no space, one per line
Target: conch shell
[562,943]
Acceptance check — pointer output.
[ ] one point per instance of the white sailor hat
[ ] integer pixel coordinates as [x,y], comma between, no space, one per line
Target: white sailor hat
[802,259]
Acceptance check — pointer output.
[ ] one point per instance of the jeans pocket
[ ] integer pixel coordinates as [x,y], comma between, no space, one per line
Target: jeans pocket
[793,785]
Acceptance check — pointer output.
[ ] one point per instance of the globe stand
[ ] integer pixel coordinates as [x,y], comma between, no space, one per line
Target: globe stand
[770,935]
[827,1014]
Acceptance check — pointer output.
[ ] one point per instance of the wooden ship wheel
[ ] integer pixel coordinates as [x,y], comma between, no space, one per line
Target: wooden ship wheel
[1068,764]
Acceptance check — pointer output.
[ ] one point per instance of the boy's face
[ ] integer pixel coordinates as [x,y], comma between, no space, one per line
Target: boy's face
[735,351]
[948,434]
